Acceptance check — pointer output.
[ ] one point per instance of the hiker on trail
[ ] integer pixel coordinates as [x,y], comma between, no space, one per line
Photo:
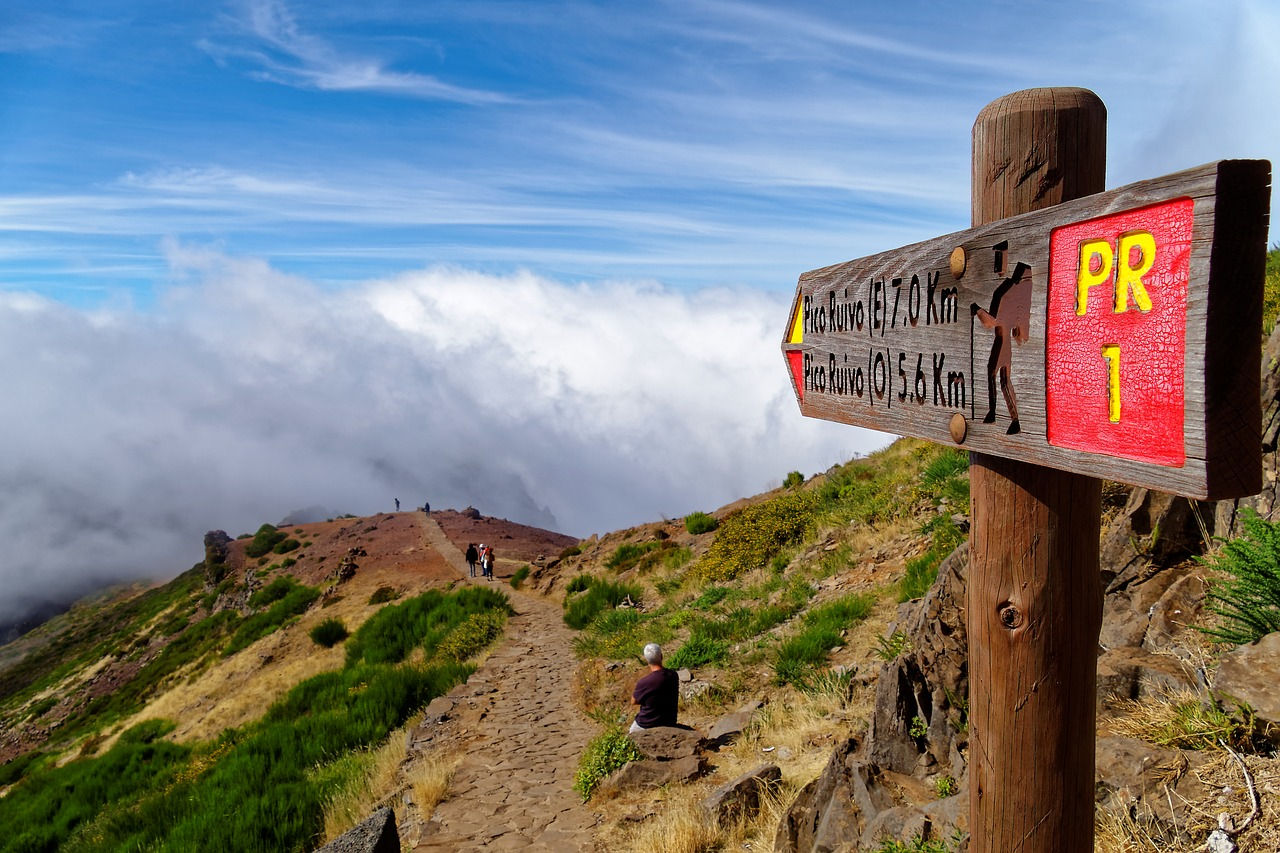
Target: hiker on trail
[472,556]
[397,504]
[488,561]
[657,693]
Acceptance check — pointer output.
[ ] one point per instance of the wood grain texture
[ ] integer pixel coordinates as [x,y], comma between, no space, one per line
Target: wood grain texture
[897,323]
[1035,598]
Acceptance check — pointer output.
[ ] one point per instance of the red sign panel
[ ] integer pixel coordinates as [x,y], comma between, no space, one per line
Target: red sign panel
[1115,348]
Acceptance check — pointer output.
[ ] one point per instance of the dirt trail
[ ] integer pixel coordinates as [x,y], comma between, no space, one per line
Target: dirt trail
[513,790]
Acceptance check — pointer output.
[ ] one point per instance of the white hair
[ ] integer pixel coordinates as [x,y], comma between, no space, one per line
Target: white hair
[652,654]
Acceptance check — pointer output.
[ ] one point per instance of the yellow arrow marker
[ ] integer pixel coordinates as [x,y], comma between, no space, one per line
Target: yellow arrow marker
[797,326]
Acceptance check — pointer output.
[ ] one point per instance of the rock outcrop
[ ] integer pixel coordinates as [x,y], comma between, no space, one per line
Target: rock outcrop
[376,834]
[740,798]
[1248,675]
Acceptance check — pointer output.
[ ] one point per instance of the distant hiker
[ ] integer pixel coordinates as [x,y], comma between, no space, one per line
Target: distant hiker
[426,507]
[472,556]
[486,560]
[657,693]
[397,504]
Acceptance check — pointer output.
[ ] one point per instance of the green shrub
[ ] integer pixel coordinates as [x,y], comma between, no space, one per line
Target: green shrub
[698,523]
[17,768]
[472,636]
[383,594]
[578,583]
[1247,599]
[580,610]
[793,480]
[888,648]
[604,754]
[710,597]
[571,551]
[295,600]
[273,592]
[519,577]
[389,635]
[147,731]
[945,786]
[264,540]
[286,546]
[329,633]
[799,655]
[639,556]
[700,650]
[1271,291]
[750,537]
[922,571]
[677,557]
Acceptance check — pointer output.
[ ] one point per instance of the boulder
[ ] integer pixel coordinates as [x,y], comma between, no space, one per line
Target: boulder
[836,810]
[376,834]
[1135,673]
[668,743]
[1135,778]
[1154,529]
[653,773]
[727,728]
[740,798]
[1249,674]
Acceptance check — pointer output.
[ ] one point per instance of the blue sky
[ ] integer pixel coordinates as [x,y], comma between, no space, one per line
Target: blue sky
[692,143]
[261,256]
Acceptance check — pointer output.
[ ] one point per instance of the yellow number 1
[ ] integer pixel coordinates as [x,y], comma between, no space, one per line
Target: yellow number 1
[1111,352]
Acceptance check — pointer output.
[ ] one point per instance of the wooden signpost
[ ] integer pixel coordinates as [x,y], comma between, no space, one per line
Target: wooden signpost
[1071,334]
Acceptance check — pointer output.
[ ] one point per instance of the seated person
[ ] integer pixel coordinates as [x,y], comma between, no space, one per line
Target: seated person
[657,693]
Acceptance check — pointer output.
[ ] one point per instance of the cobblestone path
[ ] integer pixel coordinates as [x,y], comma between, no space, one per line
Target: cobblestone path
[513,789]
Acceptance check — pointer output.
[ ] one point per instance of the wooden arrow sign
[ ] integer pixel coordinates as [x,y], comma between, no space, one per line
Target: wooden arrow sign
[1115,335]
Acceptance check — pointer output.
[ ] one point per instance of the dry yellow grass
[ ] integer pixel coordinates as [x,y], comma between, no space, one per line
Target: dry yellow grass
[374,779]
[798,731]
[235,690]
[430,778]
[679,827]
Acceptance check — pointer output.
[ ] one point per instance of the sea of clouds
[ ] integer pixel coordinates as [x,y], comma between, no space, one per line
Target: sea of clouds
[244,394]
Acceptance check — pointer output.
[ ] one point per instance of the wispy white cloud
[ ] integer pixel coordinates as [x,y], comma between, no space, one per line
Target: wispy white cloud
[284,53]
[247,393]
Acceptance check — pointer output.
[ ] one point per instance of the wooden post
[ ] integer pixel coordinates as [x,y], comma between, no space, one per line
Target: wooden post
[1035,598]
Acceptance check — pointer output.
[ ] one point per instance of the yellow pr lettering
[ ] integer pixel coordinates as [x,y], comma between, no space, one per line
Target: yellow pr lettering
[1111,352]
[1129,277]
[1086,277]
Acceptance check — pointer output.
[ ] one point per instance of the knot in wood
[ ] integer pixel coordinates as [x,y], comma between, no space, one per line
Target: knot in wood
[1010,615]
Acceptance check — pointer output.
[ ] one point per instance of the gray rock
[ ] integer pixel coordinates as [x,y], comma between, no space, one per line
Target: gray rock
[727,728]
[740,798]
[1135,673]
[652,773]
[376,834]
[930,681]
[1249,674]
[668,743]
[685,675]
[1177,608]
[832,811]
[438,710]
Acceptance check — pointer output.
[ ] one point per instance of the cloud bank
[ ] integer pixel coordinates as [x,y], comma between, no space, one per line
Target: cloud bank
[246,393]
